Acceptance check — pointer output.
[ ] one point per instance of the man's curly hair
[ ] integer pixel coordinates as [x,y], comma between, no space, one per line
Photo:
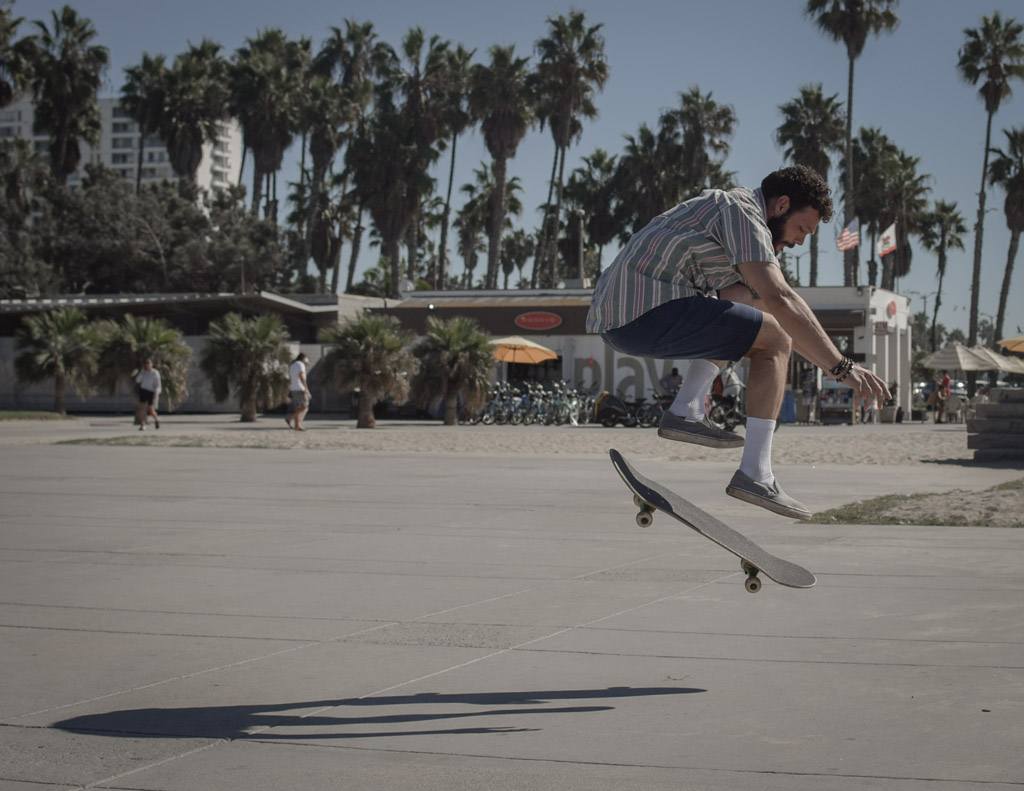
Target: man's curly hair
[804,188]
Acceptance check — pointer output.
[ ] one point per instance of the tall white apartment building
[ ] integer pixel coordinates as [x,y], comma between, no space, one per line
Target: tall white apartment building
[119,147]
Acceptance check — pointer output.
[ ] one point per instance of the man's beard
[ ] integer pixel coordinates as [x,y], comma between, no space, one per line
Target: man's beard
[777,226]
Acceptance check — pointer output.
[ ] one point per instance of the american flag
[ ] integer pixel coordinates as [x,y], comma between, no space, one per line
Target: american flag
[850,237]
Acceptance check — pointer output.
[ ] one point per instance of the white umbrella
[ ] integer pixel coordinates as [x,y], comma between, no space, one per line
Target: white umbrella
[999,362]
[956,357]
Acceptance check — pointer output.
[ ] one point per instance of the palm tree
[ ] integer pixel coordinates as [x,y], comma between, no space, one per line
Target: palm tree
[370,356]
[266,79]
[384,169]
[15,56]
[423,77]
[196,100]
[704,128]
[501,95]
[249,356]
[60,345]
[572,65]
[456,120]
[516,249]
[850,22]
[942,229]
[353,56]
[994,55]
[905,202]
[875,157]
[591,188]
[470,222]
[456,358]
[812,128]
[67,72]
[1007,170]
[326,112]
[144,98]
[24,181]
[124,346]
[643,179]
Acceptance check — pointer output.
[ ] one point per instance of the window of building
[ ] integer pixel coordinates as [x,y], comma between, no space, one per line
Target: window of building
[7,116]
[122,128]
[8,131]
[122,159]
[123,142]
[118,112]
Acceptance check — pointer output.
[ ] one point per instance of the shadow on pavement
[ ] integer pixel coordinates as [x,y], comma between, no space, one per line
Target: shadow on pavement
[252,721]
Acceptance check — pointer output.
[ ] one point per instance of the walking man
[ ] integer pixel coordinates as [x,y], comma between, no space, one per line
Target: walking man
[701,282]
[148,380]
[298,392]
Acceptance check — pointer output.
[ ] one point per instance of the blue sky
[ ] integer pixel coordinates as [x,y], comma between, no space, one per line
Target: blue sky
[751,54]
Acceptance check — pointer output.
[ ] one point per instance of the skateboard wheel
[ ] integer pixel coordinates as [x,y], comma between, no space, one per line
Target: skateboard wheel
[753,585]
[644,519]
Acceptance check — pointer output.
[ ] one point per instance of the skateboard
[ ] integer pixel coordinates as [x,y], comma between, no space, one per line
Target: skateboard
[650,496]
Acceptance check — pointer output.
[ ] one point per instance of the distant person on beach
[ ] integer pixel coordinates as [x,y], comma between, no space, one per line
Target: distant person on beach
[670,383]
[943,390]
[298,392]
[148,380]
[701,282]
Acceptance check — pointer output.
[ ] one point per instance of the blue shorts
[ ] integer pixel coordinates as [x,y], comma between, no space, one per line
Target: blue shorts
[695,328]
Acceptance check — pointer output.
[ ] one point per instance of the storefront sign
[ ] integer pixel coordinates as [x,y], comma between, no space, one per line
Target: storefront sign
[881,328]
[538,320]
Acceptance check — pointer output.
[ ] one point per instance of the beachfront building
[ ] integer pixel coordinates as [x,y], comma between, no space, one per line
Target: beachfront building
[121,148]
[303,315]
[868,324]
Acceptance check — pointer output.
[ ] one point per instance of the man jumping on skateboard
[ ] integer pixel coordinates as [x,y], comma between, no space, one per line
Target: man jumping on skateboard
[684,287]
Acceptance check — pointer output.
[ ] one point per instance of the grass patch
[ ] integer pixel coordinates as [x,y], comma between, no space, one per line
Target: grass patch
[31,414]
[957,508]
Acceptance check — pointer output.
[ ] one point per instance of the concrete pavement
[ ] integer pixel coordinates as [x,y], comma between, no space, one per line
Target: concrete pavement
[197,618]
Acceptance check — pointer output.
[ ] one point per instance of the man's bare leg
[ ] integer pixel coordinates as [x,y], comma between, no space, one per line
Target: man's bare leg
[754,481]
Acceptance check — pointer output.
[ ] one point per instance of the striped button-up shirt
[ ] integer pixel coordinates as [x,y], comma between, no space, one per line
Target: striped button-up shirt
[692,249]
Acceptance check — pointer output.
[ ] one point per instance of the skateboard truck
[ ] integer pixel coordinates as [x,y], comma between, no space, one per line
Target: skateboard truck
[645,518]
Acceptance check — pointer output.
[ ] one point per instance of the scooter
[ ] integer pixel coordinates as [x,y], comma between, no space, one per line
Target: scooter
[610,410]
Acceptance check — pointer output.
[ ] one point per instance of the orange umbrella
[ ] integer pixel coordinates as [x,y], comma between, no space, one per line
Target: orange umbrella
[517,349]
[1014,344]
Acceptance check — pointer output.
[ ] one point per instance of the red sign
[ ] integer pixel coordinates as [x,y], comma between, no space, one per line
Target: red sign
[538,320]
[890,309]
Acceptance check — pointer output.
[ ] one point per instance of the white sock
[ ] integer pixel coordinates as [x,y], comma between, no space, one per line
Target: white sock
[757,450]
[694,391]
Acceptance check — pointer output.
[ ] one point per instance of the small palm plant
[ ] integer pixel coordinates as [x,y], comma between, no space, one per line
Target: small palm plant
[250,357]
[126,345]
[370,355]
[456,358]
[60,345]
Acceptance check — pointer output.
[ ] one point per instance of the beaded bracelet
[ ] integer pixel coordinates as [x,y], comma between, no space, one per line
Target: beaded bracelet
[846,362]
[846,372]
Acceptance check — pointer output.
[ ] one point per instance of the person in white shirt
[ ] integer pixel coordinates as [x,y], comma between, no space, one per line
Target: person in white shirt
[298,392]
[148,380]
